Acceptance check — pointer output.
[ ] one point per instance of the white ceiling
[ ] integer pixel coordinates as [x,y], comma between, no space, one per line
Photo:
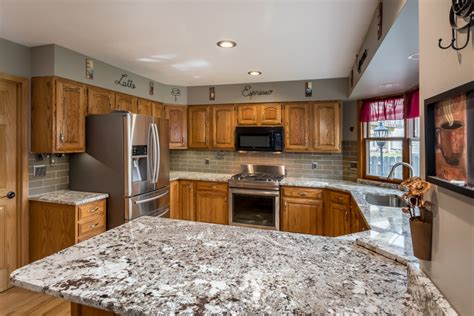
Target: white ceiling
[285,39]
[390,71]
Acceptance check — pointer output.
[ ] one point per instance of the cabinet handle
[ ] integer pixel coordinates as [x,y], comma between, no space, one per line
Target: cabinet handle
[182,140]
[95,209]
[303,193]
[61,137]
[93,225]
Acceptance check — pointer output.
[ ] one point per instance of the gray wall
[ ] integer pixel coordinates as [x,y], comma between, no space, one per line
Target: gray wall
[350,119]
[14,59]
[323,89]
[452,264]
[54,60]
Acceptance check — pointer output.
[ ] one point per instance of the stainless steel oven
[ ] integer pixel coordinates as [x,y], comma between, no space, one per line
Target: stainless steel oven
[255,208]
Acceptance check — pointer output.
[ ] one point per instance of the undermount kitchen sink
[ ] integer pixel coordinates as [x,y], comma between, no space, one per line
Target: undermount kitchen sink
[391,200]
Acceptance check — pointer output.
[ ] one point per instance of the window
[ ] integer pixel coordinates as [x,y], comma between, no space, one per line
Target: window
[390,134]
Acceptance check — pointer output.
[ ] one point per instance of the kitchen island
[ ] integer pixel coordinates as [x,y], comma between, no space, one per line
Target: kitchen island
[154,265]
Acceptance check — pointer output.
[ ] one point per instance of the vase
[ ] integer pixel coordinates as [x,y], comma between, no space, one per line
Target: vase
[421,234]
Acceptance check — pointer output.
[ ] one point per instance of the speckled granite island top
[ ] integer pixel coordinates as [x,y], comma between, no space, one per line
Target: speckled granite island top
[154,265]
[69,197]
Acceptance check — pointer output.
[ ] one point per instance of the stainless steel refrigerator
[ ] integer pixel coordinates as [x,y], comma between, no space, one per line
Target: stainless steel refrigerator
[127,156]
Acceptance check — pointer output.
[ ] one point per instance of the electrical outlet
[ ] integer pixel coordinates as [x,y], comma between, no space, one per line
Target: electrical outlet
[206,161]
[39,171]
[353,165]
[314,165]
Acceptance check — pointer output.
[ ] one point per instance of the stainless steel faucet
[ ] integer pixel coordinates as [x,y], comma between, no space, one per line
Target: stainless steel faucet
[410,167]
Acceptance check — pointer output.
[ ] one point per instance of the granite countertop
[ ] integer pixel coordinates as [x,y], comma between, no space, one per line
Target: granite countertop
[69,197]
[154,265]
[199,176]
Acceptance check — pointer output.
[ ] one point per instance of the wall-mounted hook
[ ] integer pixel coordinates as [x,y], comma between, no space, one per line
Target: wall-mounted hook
[462,9]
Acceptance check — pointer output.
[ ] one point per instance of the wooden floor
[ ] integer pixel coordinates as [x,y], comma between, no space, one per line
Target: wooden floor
[18,302]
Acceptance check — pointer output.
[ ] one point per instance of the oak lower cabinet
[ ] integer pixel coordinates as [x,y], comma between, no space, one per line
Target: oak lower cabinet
[126,102]
[326,127]
[100,101]
[211,203]
[54,226]
[58,111]
[337,213]
[182,199]
[302,211]
[198,127]
[178,126]
[358,221]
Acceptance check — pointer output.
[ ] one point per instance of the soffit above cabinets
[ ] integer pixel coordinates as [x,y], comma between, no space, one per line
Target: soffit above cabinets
[176,40]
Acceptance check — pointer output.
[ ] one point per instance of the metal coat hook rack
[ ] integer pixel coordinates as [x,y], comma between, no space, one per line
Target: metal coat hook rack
[463,10]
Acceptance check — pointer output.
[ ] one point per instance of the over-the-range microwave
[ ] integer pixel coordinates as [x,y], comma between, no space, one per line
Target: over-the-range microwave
[259,139]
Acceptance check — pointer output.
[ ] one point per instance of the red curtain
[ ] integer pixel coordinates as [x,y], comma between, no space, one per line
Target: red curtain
[382,110]
[391,108]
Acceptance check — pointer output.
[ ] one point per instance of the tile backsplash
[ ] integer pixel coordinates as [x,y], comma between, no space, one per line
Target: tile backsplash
[56,178]
[298,165]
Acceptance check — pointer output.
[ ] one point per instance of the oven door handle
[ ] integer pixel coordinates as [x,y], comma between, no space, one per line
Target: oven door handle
[255,192]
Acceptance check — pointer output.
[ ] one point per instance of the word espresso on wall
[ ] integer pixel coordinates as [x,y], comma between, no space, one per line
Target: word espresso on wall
[249,93]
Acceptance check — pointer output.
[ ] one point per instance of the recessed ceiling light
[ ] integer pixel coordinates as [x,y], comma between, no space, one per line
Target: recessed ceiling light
[226,44]
[390,85]
[255,73]
[415,56]
[148,60]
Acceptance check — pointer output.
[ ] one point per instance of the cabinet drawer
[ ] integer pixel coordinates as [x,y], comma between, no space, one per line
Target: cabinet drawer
[91,228]
[302,193]
[89,210]
[339,198]
[213,186]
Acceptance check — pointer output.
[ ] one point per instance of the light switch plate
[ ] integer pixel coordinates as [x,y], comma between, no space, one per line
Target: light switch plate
[314,165]
[206,161]
[39,171]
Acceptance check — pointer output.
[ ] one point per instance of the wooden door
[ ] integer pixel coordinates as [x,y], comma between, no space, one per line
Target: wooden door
[177,116]
[302,216]
[339,219]
[198,126]
[144,107]
[211,207]
[126,102]
[326,127]
[70,116]
[223,127]
[9,105]
[297,127]
[157,110]
[175,211]
[186,198]
[247,114]
[270,114]
[100,101]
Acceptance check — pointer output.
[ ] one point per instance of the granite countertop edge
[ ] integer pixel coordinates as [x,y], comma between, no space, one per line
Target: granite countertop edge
[69,197]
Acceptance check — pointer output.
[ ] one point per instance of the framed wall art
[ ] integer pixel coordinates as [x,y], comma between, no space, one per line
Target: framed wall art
[449,134]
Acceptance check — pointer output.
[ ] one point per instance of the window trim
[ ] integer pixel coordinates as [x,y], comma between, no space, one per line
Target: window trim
[362,140]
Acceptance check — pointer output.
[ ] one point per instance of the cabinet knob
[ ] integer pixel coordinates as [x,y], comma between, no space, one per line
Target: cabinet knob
[61,137]
[93,225]
[95,209]
[10,195]
[303,193]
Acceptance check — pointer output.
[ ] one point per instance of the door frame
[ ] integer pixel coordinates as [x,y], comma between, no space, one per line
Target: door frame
[22,170]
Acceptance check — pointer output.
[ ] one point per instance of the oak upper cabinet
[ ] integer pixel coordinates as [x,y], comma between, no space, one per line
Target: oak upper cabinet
[178,125]
[157,109]
[296,125]
[247,114]
[338,214]
[126,102]
[302,211]
[211,204]
[144,107]
[100,101]
[270,114]
[198,126]
[58,111]
[326,127]
[223,127]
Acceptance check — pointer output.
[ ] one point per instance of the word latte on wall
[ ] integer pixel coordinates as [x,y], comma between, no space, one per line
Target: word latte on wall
[124,82]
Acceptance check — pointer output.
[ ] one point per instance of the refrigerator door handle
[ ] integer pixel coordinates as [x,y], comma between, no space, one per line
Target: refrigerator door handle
[151,158]
[158,153]
[152,198]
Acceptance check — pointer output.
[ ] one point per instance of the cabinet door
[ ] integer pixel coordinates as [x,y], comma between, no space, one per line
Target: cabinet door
[126,102]
[198,126]
[158,110]
[270,114]
[297,127]
[358,222]
[100,101]
[144,107]
[247,114]
[211,207]
[326,127]
[339,219]
[70,116]
[223,127]
[186,200]
[177,116]
[175,211]
[302,216]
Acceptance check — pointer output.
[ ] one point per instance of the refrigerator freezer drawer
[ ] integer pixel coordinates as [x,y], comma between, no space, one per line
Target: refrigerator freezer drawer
[150,204]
